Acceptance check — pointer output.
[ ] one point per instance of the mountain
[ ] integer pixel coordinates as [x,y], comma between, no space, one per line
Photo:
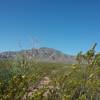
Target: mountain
[42,54]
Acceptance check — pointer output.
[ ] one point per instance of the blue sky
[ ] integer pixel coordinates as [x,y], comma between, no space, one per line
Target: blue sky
[66,25]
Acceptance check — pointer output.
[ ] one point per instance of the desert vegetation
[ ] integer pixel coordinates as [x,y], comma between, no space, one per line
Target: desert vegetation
[24,79]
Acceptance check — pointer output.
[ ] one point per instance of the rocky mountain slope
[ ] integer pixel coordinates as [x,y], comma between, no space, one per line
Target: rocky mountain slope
[41,54]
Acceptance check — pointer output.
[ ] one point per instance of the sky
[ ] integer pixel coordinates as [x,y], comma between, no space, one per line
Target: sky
[67,25]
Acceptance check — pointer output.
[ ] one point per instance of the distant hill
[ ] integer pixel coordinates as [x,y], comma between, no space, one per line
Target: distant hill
[42,54]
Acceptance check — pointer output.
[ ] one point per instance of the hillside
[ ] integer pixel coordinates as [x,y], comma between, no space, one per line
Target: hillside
[42,54]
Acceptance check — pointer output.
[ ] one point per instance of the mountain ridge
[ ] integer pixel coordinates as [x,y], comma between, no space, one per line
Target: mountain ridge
[44,54]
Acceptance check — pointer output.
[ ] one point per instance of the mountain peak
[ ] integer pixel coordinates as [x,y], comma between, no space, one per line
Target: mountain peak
[44,54]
